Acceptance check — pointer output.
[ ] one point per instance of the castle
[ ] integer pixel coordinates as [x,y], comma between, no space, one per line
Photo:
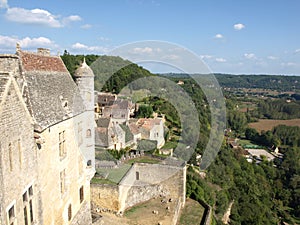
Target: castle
[47,140]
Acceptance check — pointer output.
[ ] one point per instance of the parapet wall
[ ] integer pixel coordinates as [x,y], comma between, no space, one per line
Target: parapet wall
[141,183]
[145,181]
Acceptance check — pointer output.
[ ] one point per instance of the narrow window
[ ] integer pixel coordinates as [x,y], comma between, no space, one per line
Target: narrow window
[10,157]
[20,153]
[25,201]
[62,181]
[70,212]
[31,210]
[62,144]
[137,175]
[89,163]
[11,215]
[88,133]
[25,216]
[30,190]
[81,194]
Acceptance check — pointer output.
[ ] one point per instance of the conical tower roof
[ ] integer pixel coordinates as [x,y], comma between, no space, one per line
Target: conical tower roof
[84,70]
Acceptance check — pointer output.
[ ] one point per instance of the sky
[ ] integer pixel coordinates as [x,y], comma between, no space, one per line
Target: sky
[230,36]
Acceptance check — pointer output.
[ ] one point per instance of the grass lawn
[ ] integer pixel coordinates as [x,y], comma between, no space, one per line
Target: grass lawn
[245,142]
[169,145]
[192,213]
[115,175]
[96,180]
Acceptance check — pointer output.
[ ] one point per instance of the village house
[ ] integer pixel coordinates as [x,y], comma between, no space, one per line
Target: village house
[149,129]
[109,134]
[47,140]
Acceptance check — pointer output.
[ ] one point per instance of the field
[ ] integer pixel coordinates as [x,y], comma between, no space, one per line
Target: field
[269,124]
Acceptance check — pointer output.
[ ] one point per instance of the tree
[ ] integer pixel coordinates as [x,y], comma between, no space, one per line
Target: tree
[144,111]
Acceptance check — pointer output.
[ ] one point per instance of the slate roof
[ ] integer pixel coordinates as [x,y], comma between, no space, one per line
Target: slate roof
[101,136]
[52,95]
[3,81]
[103,122]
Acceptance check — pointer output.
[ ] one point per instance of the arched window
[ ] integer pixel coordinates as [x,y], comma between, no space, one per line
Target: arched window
[88,133]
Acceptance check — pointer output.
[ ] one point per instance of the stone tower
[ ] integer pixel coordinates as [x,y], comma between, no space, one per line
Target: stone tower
[85,81]
[84,78]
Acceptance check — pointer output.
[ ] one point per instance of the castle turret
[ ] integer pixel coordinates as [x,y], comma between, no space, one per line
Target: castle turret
[84,78]
[85,81]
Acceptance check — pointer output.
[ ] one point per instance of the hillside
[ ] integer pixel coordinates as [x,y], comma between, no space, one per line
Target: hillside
[112,73]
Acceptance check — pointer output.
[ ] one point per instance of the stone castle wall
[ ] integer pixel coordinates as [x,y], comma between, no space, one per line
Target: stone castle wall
[18,161]
[105,197]
[153,180]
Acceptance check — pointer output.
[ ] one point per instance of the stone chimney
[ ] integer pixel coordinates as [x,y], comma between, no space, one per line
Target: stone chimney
[43,51]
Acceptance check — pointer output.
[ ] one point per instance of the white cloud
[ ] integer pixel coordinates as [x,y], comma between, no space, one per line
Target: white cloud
[34,16]
[83,47]
[250,56]
[7,42]
[238,26]
[272,57]
[69,19]
[39,17]
[86,26]
[220,60]
[218,36]
[3,4]
[297,50]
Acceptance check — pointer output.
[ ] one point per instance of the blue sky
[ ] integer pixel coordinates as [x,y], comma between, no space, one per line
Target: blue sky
[251,37]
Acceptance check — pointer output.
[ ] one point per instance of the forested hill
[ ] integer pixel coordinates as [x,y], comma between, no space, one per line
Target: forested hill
[273,82]
[112,73]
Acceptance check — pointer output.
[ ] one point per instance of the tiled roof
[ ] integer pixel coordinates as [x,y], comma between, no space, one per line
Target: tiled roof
[37,62]
[148,123]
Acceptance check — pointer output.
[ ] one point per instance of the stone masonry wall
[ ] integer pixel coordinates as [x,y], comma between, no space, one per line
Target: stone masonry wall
[18,156]
[105,197]
[83,217]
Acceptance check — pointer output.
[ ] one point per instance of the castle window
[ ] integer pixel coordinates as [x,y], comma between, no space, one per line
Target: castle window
[63,181]
[10,157]
[25,216]
[31,210]
[137,175]
[81,194]
[62,145]
[79,133]
[11,215]
[28,206]
[70,212]
[89,163]
[88,133]
[20,153]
